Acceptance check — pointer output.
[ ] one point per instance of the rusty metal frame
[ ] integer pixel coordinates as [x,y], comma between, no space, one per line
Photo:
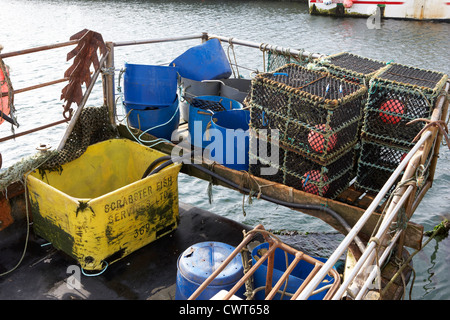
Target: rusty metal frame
[87,43]
[270,291]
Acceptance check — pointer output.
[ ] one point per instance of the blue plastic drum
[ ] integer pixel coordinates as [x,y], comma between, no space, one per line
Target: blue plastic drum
[296,278]
[198,262]
[148,85]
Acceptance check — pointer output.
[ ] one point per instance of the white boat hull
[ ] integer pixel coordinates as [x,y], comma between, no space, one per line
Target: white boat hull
[406,9]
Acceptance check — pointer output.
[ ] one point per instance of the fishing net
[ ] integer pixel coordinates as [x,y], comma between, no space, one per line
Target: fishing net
[92,126]
[316,114]
[352,67]
[205,104]
[299,172]
[276,59]
[378,161]
[398,95]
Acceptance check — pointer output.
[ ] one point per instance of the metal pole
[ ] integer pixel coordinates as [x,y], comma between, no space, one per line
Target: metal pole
[148,41]
[367,256]
[266,46]
[45,84]
[108,84]
[37,49]
[372,275]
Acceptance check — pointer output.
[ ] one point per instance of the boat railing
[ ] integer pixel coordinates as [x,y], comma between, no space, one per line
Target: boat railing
[12,92]
[269,255]
[78,75]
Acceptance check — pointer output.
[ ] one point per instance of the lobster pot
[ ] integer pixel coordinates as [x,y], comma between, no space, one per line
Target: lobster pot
[398,95]
[298,171]
[377,162]
[314,113]
[352,67]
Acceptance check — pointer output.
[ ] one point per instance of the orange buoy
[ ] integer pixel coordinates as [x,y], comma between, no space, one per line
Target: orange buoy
[310,181]
[4,101]
[317,140]
[348,3]
[392,106]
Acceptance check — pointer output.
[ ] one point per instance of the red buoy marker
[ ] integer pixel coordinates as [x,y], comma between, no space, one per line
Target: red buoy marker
[310,182]
[392,106]
[317,141]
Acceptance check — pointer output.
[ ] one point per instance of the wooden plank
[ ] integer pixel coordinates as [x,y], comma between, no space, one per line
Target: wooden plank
[445,104]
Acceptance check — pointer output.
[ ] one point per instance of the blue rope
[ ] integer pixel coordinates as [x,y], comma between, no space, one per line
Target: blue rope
[95,274]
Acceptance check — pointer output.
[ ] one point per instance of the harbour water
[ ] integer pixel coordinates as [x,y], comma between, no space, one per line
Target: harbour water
[29,23]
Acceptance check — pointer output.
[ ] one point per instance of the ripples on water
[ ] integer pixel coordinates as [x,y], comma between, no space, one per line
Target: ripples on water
[33,23]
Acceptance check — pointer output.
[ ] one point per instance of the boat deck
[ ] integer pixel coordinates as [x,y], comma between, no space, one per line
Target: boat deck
[148,273]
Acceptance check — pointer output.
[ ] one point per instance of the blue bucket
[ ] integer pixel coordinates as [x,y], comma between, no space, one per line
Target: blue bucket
[296,278]
[164,119]
[206,61]
[147,85]
[198,262]
[229,135]
[200,118]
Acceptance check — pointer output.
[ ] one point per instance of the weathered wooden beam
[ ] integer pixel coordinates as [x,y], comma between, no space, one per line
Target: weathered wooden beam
[351,214]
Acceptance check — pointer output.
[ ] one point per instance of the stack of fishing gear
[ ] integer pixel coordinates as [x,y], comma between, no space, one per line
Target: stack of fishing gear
[314,118]
[397,95]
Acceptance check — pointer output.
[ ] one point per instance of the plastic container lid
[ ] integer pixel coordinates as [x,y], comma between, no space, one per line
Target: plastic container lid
[200,260]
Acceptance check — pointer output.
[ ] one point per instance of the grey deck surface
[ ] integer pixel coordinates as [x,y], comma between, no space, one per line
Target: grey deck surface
[148,273]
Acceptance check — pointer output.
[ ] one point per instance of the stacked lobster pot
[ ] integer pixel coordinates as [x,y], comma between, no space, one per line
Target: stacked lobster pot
[352,67]
[311,119]
[400,99]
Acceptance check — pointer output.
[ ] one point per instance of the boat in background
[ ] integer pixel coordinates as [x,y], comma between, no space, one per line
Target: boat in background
[410,9]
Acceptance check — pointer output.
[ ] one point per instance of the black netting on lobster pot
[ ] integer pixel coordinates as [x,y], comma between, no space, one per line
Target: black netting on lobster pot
[321,142]
[397,96]
[263,119]
[264,155]
[296,101]
[352,67]
[323,180]
[270,98]
[377,163]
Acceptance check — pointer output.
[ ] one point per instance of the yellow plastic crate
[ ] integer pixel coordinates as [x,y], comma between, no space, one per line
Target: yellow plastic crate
[97,208]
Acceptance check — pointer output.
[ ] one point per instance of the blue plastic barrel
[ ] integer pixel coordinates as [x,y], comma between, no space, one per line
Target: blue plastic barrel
[198,262]
[296,278]
[148,85]
[229,135]
[206,61]
[164,119]
[200,118]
